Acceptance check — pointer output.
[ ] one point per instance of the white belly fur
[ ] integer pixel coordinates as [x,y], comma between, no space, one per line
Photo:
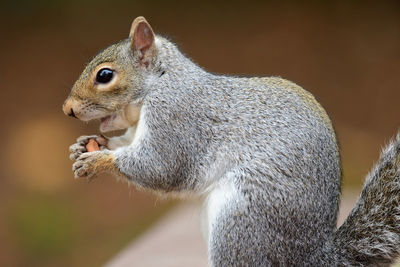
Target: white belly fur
[215,203]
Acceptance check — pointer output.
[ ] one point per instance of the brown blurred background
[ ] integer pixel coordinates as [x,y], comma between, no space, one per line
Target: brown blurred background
[346,53]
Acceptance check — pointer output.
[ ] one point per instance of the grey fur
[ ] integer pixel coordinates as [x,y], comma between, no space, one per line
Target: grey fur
[283,152]
[275,144]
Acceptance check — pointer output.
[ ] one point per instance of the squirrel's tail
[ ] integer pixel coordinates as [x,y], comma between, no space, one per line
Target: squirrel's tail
[371,233]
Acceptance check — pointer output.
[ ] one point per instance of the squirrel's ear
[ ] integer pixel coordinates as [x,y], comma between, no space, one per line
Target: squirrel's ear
[142,40]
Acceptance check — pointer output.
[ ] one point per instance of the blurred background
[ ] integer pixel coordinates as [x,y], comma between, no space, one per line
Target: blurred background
[347,53]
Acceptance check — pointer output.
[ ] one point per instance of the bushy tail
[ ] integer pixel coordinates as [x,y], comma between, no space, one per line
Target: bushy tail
[371,233]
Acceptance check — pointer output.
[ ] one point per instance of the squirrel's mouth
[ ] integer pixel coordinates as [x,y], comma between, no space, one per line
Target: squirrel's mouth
[114,121]
[120,119]
[105,119]
[106,123]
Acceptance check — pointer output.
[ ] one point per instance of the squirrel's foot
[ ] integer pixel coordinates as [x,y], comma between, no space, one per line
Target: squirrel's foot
[89,164]
[80,146]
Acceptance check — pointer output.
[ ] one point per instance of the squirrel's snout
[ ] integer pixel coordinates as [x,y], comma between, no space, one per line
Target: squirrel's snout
[67,108]
[72,114]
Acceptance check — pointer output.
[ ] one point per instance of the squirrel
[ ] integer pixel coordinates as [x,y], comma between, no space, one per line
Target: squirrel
[262,152]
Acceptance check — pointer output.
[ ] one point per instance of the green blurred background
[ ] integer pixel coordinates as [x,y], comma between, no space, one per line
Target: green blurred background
[347,53]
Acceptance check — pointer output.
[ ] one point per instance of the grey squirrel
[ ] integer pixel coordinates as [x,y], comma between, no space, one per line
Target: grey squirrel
[261,150]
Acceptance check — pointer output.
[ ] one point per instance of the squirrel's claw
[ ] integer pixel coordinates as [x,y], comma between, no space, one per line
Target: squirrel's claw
[76,150]
[89,164]
[79,147]
[83,165]
[84,139]
[102,141]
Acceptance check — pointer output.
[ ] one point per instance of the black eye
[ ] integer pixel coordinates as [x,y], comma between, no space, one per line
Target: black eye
[104,75]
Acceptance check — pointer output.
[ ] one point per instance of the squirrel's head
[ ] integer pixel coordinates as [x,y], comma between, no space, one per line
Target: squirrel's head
[112,83]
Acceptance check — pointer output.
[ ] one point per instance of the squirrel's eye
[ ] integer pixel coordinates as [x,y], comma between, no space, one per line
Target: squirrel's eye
[104,75]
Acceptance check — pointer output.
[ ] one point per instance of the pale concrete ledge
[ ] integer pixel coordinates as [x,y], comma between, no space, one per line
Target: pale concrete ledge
[176,240]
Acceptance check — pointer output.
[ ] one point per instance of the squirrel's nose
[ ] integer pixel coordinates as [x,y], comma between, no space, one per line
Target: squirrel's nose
[71,113]
[67,108]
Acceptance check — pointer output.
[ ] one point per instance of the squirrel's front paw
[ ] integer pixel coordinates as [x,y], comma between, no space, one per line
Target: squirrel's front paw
[91,163]
[80,146]
[83,167]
